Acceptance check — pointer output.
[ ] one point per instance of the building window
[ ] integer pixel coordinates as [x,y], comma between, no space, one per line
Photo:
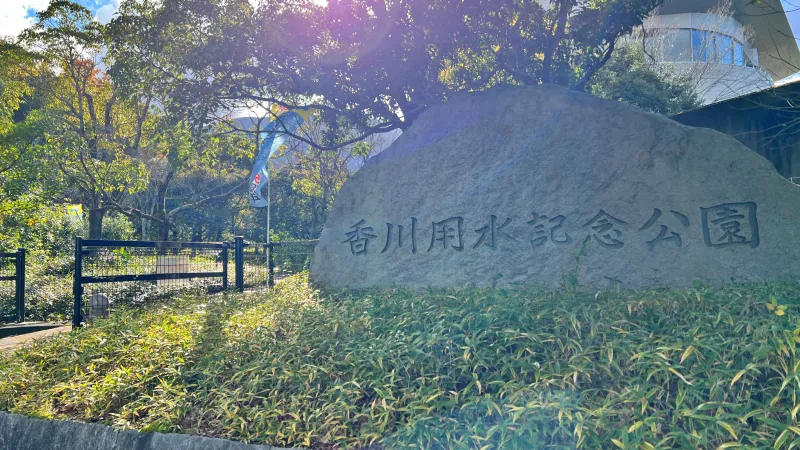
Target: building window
[686,45]
[652,46]
[680,47]
[738,53]
[702,45]
[724,48]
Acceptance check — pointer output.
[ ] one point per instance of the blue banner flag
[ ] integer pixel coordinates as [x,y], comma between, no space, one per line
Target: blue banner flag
[275,131]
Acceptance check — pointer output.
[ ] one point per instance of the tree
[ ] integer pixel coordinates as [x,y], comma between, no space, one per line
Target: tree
[319,174]
[187,174]
[20,128]
[630,77]
[13,91]
[84,129]
[112,145]
[370,65]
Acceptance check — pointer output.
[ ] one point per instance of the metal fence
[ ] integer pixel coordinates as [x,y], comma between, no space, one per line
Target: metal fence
[259,264]
[12,286]
[109,274]
[113,273]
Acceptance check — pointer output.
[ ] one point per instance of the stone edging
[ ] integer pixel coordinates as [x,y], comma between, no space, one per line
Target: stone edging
[26,433]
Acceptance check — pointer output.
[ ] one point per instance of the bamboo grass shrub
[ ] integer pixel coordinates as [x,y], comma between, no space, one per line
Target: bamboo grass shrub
[461,368]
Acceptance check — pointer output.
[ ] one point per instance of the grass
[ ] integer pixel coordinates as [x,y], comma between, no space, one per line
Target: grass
[462,368]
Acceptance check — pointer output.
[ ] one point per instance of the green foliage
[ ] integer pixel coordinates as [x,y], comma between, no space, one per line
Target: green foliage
[118,227]
[372,65]
[48,235]
[37,227]
[71,134]
[629,78]
[48,287]
[462,368]
[140,139]
[74,129]
[109,366]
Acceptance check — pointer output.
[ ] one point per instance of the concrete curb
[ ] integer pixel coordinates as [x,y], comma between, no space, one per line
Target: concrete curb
[11,343]
[16,329]
[26,433]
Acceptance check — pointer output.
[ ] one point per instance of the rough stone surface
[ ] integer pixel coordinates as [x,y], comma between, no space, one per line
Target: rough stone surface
[542,186]
[25,433]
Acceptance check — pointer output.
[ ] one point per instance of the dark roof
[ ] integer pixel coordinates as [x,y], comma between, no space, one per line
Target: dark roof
[784,98]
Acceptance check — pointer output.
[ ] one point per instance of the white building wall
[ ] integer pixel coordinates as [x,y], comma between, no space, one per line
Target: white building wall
[713,79]
[720,82]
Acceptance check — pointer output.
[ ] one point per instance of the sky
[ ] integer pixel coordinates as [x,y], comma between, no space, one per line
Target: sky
[16,15]
[792,9]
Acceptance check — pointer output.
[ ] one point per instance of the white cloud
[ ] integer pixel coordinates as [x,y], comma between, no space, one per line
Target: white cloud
[106,12]
[13,15]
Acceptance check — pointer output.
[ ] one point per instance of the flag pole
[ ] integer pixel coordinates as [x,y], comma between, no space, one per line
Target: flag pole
[269,200]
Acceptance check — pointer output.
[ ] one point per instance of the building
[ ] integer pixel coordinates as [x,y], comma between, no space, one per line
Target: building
[767,122]
[728,49]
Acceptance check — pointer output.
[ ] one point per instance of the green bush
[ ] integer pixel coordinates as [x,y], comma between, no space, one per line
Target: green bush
[118,228]
[48,288]
[48,235]
[39,229]
[462,368]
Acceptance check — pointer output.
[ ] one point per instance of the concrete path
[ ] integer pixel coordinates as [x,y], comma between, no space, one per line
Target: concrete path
[13,342]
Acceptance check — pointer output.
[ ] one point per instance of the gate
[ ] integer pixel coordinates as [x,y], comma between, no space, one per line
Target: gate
[109,273]
[134,273]
[12,298]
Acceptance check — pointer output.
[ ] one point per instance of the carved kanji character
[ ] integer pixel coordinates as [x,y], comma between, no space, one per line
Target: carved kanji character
[400,236]
[359,238]
[730,224]
[449,233]
[545,229]
[662,237]
[606,230]
[489,233]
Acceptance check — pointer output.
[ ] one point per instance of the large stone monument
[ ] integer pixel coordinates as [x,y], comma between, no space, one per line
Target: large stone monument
[542,186]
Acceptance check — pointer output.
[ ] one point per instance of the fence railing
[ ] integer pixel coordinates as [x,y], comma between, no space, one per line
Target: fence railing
[109,273]
[12,269]
[260,264]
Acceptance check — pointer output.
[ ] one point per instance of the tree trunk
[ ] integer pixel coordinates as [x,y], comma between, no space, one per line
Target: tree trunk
[163,230]
[161,201]
[197,233]
[96,223]
[314,215]
[145,227]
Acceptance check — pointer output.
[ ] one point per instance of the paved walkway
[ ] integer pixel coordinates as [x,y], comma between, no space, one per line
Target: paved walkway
[13,342]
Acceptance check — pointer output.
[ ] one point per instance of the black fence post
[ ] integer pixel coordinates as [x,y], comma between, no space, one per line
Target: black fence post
[77,288]
[271,280]
[20,285]
[225,267]
[238,256]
